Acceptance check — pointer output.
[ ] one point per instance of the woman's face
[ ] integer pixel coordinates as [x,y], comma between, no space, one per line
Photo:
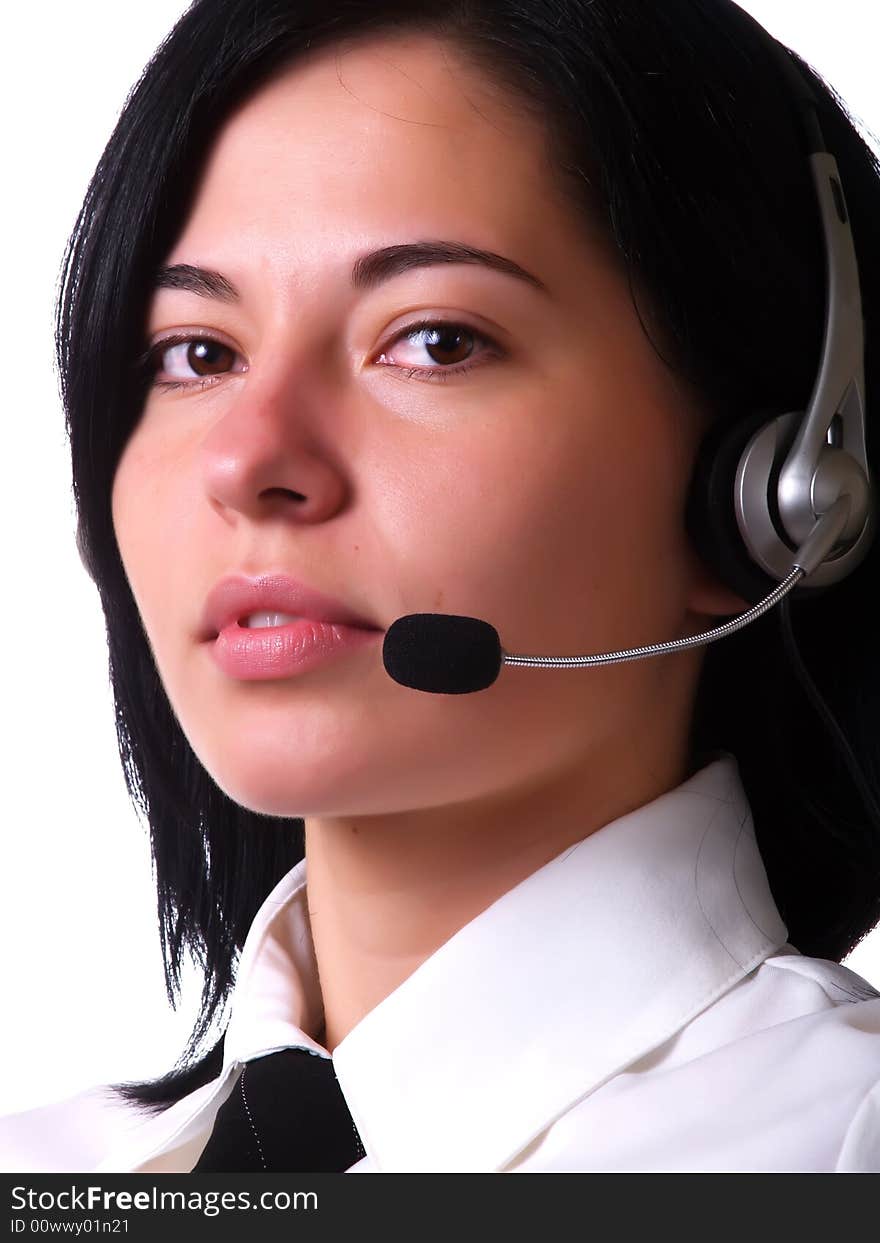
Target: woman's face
[541,489]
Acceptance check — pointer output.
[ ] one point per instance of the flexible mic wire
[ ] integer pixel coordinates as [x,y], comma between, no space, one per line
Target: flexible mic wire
[673,645]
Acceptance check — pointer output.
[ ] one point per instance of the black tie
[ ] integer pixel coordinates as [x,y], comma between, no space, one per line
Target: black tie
[286,1113]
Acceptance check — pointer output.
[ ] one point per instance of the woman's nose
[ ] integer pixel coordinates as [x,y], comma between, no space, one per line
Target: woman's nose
[268,454]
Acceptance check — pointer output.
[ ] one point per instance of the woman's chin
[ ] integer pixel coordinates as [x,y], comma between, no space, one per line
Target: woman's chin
[271,790]
[272,779]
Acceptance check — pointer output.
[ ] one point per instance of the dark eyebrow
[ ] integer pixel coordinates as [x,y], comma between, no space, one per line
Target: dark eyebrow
[377,266]
[369,270]
[203,281]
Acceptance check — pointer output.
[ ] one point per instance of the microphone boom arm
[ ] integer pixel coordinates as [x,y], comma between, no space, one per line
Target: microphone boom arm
[812,552]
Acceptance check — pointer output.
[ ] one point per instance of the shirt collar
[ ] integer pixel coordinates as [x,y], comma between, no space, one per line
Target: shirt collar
[582,968]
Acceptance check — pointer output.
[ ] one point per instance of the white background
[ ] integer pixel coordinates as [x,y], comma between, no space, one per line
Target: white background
[84,994]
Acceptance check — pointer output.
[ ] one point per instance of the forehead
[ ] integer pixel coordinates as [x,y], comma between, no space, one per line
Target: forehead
[381,136]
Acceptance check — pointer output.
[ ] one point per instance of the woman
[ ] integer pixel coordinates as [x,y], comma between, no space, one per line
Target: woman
[578,921]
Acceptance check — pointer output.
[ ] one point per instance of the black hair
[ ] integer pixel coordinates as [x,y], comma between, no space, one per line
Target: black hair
[669,128]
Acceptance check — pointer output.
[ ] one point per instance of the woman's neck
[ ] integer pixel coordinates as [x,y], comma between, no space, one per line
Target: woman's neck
[385,892]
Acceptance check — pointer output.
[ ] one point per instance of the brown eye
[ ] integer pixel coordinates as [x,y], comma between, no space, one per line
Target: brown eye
[446,343]
[208,357]
[454,348]
[188,362]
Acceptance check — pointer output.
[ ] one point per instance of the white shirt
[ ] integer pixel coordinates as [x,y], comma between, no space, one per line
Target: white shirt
[633,1005]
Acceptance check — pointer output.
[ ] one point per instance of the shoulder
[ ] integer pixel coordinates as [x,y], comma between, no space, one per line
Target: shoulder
[827,1012]
[778,1074]
[860,1151]
[67,1136]
[840,1045]
[840,984]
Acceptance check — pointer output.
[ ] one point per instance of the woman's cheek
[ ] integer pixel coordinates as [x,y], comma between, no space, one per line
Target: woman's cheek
[147,524]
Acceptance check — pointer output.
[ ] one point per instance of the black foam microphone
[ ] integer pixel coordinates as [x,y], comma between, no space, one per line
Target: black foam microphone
[442,653]
[452,655]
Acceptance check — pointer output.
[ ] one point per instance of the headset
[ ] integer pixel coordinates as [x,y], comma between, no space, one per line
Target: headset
[776,502]
[785,471]
[782,472]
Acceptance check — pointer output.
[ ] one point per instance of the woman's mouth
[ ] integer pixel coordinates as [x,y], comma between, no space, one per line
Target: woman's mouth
[267,645]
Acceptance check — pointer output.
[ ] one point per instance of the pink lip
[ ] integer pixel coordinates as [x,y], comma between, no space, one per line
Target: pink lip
[282,651]
[236,596]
